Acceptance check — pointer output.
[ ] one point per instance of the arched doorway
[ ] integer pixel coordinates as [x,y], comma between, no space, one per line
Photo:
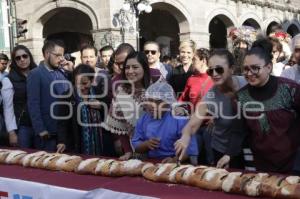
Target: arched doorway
[272,26]
[163,25]
[293,30]
[70,25]
[166,32]
[218,31]
[251,22]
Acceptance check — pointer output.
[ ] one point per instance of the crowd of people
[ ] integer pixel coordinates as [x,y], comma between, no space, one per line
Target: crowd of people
[209,109]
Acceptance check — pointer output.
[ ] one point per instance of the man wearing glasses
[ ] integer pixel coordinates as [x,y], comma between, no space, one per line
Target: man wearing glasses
[45,85]
[152,51]
[122,51]
[119,57]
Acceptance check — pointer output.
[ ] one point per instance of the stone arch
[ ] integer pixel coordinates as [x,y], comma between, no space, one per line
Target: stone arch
[292,27]
[250,19]
[35,21]
[174,22]
[178,10]
[226,15]
[62,19]
[69,25]
[293,30]
[270,21]
[219,23]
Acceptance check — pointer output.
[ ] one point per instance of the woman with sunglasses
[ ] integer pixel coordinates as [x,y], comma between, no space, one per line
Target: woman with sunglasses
[272,120]
[14,94]
[226,137]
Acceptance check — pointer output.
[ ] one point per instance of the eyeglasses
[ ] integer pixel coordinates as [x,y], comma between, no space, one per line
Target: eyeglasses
[254,69]
[153,52]
[218,69]
[119,64]
[57,55]
[24,56]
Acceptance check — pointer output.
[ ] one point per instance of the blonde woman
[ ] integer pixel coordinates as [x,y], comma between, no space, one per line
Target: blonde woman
[182,72]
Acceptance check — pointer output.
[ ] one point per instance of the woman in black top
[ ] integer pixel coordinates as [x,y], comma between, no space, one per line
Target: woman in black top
[182,72]
[14,95]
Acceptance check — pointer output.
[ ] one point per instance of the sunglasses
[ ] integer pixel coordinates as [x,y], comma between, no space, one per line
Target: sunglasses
[153,52]
[24,56]
[218,69]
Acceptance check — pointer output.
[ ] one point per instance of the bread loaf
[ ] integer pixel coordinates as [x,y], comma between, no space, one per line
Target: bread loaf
[210,178]
[131,167]
[158,172]
[240,181]
[192,175]
[15,157]
[229,182]
[3,154]
[68,163]
[271,185]
[50,162]
[104,167]
[87,166]
[290,188]
[26,160]
[175,175]
[164,171]
[252,187]
[147,169]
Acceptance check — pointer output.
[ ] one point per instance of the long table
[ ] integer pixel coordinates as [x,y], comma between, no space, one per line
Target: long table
[133,185]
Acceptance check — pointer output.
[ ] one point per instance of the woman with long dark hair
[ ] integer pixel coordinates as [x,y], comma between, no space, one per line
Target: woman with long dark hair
[14,95]
[128,97]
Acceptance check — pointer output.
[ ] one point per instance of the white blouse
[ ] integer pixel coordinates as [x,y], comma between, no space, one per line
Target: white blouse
[7,93]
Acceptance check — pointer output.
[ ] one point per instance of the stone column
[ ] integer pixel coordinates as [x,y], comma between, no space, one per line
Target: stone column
[113,37]
[35,46]
[105,37]
[34,40]
[131,38]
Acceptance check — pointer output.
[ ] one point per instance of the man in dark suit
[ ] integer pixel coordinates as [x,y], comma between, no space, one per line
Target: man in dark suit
[45,85]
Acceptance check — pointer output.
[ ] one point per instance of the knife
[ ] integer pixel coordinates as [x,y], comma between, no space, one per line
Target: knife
[178,163]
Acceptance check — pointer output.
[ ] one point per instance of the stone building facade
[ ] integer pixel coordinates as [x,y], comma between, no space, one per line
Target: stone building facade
[204,21]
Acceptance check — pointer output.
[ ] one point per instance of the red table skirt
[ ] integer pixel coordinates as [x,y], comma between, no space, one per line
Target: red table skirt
[134,185]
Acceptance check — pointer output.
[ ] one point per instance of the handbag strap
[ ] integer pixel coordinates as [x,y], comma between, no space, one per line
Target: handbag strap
[203,86]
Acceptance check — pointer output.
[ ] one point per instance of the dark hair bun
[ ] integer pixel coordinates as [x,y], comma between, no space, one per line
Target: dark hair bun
[264,44]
